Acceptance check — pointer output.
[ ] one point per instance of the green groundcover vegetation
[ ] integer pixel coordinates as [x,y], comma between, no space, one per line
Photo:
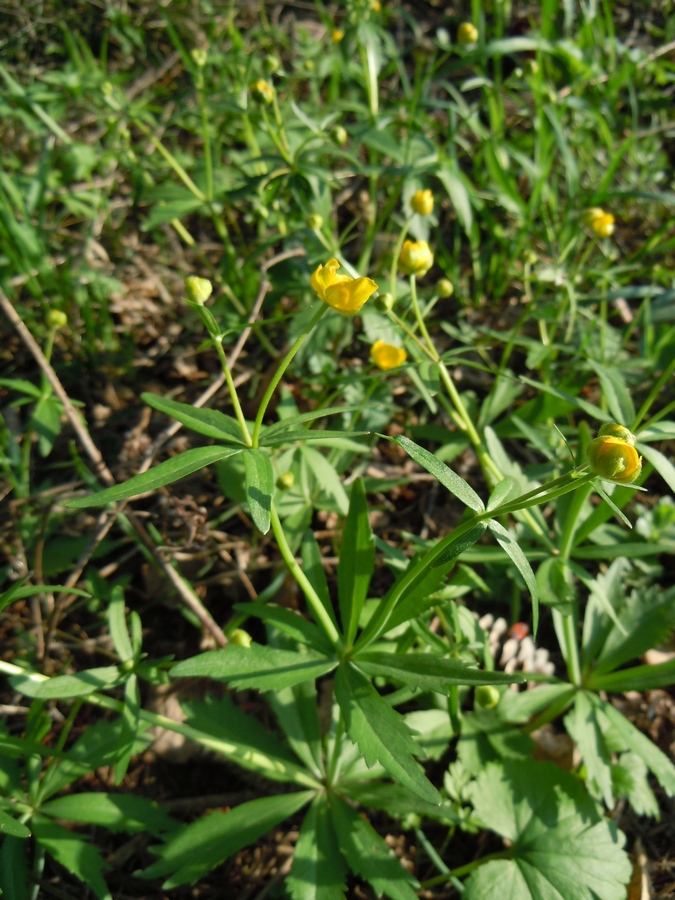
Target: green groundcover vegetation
[336,435]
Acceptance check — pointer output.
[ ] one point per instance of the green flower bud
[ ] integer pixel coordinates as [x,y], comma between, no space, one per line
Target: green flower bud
[198,290]
[339,135]
[285,481]
[384,302]
[486,696]
[56,319]
[271,63]
[315,221]
[241,638]
[262,91]
[444,288]
[199,56]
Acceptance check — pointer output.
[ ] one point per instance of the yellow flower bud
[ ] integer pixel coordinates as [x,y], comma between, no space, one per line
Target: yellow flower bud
[56,319]
[315,221]
[198,290]
[613,456]
[422,202]
[241,638]
[416,258]
[262,91]
[600,222]
[346,295]
[444,288]
[336,35]
[376,6]
[467,33]
[386,356]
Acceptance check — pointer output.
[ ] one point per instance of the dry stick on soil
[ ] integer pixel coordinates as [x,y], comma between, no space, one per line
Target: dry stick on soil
[103,472]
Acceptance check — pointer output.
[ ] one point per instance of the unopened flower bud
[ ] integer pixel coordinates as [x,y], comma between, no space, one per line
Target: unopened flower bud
[486,696]
[199,56]
[262,91]
[444,288]
[613,456]
[467,33]
[198,290]
[384,302]
[600,222]
[336,35]
[271,63]
[285,481]
[416,258]
[241,638]
[315,221]
[339,135]
[55,319]
[422,202]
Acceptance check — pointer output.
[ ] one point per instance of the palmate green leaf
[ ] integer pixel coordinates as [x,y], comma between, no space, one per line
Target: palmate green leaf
[429,671]
[508,543]
[19,591]
[313,568]
[647,617]
[165,473]
[357,561]
[64,687]
[583,727]
[257,666]
[660,462]
[449,479]
[298,435]
[220,725]
[396,800]
[209,422]
[562,848]
[327,478]
[74,853]
[368,855]
[657,761]
[116,812]
[11,826]
[380,732]
[288,621]
[274,432]
[296,709]
[15,882]
[635,678]
[319,870]
[259,487]
[206,843]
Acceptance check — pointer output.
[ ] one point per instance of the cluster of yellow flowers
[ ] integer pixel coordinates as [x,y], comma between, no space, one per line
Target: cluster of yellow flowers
[600,222]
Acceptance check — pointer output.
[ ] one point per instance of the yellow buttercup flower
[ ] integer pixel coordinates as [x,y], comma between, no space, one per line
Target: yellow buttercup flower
[599,221]
[612,454]
[422,202]
[467,33]
[386,356]
[336,35]
[346,295]
[416,258]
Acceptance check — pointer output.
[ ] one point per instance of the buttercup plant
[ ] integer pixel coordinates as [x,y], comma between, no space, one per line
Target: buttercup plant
[384,467]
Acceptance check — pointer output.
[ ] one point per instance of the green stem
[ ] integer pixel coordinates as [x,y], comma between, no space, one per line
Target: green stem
[318,609]
[234,397]
[284,364]
[569,629]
